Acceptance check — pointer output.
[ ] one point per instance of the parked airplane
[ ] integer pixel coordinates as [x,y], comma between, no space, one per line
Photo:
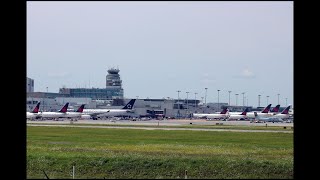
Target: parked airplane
[263,113]
[99,113]
[34,114]
[275,110]
[266,119]
[284,114]
[223,115]
[60,114]
[77,114]
[239,116]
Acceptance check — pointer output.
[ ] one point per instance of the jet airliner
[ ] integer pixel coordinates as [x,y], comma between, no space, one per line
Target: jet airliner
[125,111]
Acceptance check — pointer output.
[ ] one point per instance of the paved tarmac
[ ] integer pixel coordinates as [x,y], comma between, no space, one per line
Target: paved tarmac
[86,124]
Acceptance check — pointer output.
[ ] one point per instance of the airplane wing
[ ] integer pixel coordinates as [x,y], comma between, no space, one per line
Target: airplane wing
[95,114]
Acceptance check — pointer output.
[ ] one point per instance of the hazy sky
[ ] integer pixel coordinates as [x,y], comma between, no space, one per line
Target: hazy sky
[163,47]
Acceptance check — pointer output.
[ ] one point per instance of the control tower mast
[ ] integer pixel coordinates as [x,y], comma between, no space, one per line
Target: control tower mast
[113,78]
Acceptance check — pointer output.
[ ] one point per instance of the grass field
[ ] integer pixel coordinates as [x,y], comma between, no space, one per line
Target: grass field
[154,154]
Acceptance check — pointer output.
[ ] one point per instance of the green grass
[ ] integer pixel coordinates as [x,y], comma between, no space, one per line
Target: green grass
[128,153]
[243,127]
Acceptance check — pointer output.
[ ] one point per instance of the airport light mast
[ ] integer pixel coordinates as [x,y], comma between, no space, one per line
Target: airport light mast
[195,100]
[218,99]
[178,103]
[229,97]
[205,97]
[259,100]
[187,102]
[236,99]
[286,102]
[243,98]
[267,99]
[278,98]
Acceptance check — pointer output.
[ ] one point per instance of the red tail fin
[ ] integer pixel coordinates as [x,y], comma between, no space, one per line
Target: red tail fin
[286,110]
[276,109]
[266,109]
[244,112]
[36,109]
[65,108]
[224,111]
[80,109]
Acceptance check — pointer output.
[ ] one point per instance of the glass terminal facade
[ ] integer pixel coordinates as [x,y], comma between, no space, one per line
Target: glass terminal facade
[113,88]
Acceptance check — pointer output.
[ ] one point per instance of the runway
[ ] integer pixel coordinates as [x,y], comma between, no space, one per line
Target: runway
[154,123]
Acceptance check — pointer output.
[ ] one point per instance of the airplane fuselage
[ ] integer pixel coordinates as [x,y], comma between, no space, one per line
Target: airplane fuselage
[210,116]
[251,114]
[53,115]
[33,115]
[283,116]
[237,116]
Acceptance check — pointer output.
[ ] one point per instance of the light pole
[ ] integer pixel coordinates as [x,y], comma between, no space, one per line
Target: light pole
[202,100]
[267,99]
[237,99]
[218,99]
[229,97]
[195,100]
[243,98]
[205,97]
[278,98]
[46,99]
[286,102]
[187,102]
[259,100]
[178,101]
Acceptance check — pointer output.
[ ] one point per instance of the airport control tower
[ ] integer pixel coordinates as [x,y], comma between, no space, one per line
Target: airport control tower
[113,78]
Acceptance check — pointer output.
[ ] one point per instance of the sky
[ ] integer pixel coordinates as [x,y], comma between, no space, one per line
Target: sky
[162,47]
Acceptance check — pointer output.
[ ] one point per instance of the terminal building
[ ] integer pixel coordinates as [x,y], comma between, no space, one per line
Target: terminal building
[113,88]
[94,97]
[112,96]
[30,85]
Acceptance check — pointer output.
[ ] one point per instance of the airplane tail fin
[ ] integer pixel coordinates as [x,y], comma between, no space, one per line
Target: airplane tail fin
[276,109]
[36,108]
[224,111]
[244,112]
[64,108]
[80,109]
[130,104]
[286,110]
[266,109]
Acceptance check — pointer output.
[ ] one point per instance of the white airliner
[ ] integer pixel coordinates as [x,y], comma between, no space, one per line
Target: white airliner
[239,116]
[284,114]
[34,114]
[60,114]
[263,113]
[223,115]
[78,114]
[267,119]
[95,113]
